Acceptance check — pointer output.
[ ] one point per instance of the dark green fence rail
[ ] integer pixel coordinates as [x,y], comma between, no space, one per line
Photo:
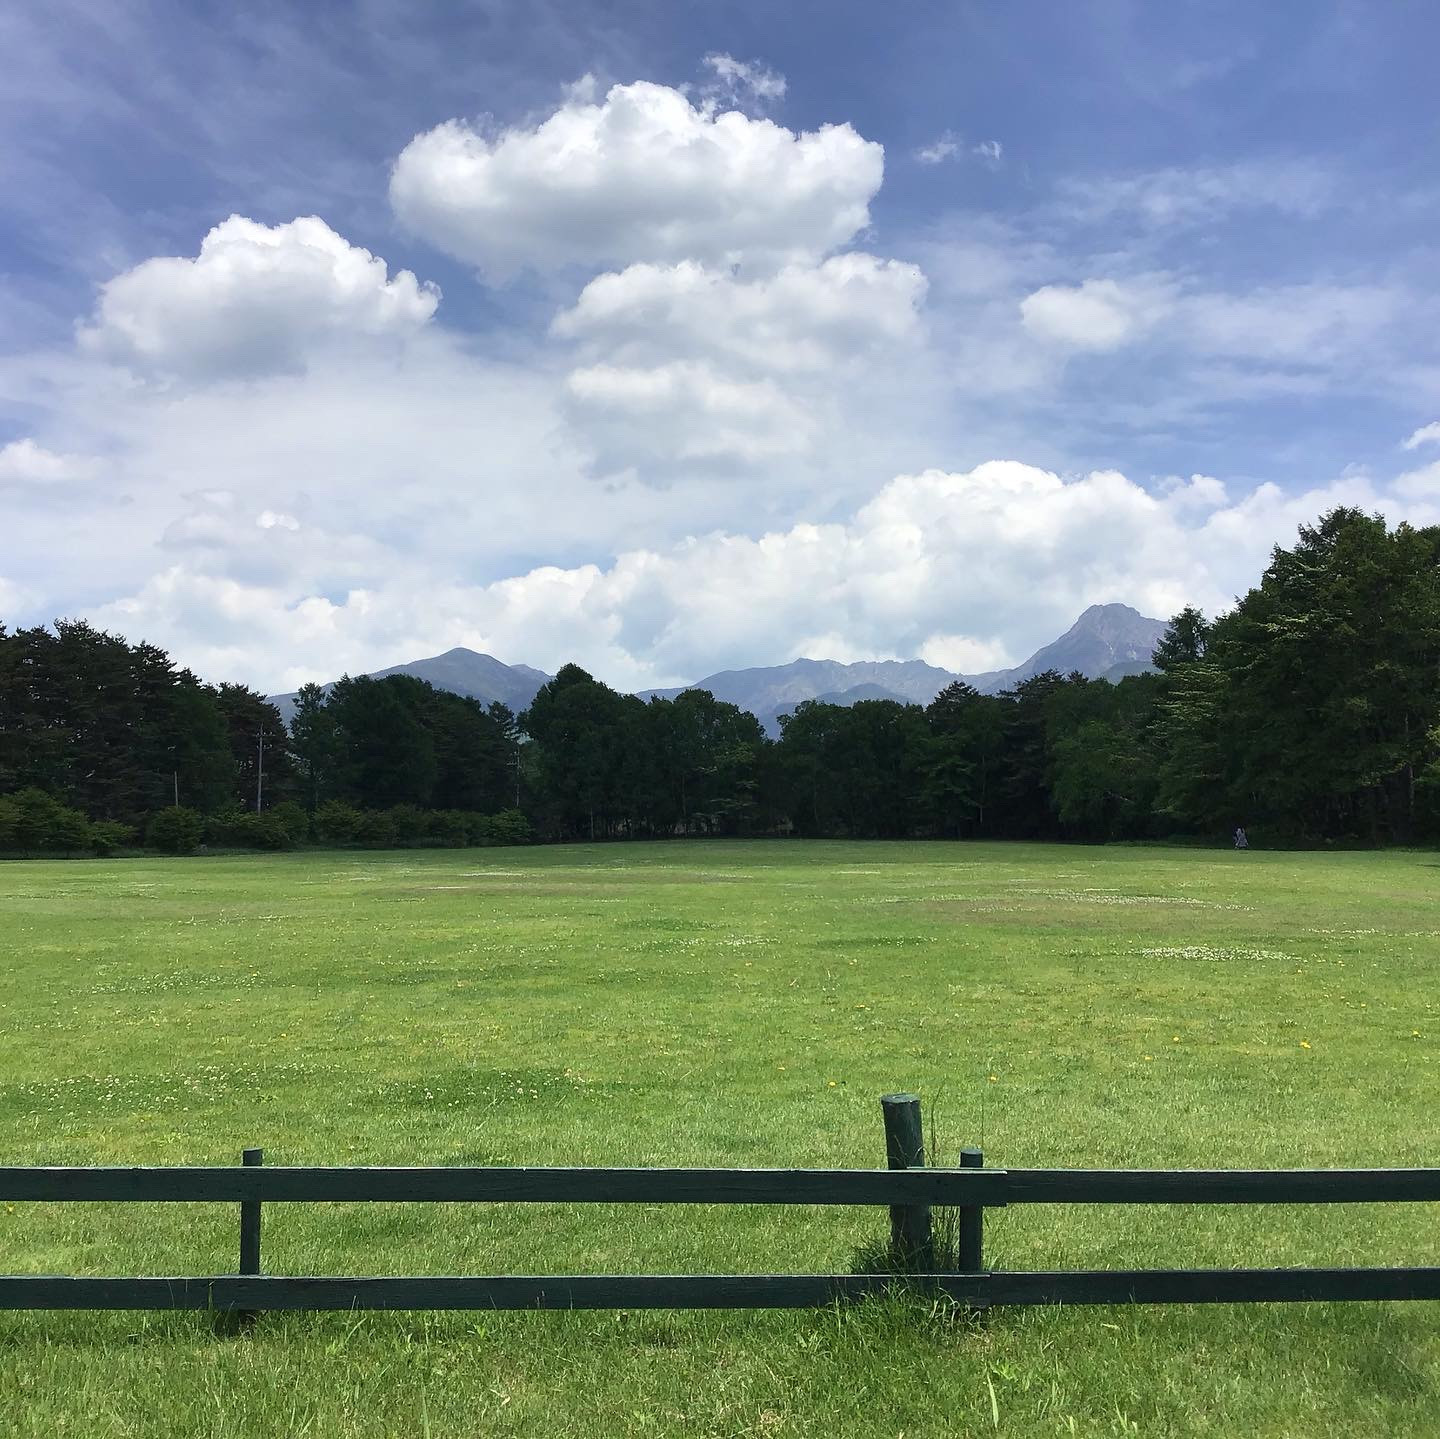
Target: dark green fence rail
[990,1188]
[251,1294]
[908,1187]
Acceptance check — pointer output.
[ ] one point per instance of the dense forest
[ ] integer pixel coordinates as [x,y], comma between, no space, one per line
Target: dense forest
[1309,712]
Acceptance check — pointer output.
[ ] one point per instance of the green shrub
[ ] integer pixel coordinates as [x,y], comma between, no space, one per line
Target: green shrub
[244,829]
[510,827]
[175,830]
[337,822]
[108,835]
[70,832]
[408,823]
[448,827]
[33,817]
[35,823]
[376,827]
[223,827]
[240,828]
[261,831]
[292,818]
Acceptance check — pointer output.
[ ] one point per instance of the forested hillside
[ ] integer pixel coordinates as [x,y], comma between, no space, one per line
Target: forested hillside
[1310,711]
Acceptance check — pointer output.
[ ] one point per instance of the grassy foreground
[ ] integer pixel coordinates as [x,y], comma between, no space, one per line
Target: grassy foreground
[722,1004]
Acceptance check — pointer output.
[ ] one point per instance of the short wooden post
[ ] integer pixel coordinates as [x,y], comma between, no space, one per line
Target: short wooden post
[972,1221]
[250,1232]
[912,1248]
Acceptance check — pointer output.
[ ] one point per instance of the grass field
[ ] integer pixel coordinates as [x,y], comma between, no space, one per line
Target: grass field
[728,1004]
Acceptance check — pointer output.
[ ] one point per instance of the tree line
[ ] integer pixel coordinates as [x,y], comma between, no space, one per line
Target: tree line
[1310,711]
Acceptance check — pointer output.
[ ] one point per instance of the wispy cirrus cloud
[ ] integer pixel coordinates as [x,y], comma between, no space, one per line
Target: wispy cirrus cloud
[741,84]
[1179,195]
[949,146]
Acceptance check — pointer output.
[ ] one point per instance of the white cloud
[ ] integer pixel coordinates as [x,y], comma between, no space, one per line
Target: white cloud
[1309,325]
[1094,315]
[15,599]
[965,654]
[435,450]
[803,318]
[1421,484]
[949,146]
[743,81]
[1178,195]
[24,465]
[971,569]
[1425,435]
[257,300]
[687,363]
[1198,494]
[643,175]
[684,413]
[944,146]
[375,472]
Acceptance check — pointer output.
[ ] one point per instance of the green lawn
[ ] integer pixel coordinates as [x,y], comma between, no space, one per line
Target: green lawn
[728,1004]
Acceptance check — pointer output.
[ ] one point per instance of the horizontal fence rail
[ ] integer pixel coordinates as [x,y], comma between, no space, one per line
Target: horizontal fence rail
[992,1188]
[716,1291]
[908,1187]
[275,1183]
[1219,1186]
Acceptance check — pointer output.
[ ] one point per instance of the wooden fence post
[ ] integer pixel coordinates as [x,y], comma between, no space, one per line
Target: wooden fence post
[250,1231]
[912,1248]
[972,1221]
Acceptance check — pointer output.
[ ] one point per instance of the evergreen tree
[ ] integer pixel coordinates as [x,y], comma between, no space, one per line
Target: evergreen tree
[263,772]
[386,755]
[315,746]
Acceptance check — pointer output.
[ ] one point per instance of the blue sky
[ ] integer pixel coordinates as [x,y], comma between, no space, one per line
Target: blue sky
[672,338]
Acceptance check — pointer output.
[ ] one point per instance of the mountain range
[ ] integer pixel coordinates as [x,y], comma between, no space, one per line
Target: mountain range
[462,672]
[1106,642]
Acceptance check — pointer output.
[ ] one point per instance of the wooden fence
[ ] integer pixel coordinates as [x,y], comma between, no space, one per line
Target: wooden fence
[908,1187]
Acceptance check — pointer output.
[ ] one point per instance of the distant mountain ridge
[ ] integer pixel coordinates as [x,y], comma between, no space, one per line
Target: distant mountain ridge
[1105,639]
[462,672]
[1106,642]
[769,687]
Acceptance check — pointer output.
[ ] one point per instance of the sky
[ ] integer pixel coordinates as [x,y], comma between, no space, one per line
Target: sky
[668,339]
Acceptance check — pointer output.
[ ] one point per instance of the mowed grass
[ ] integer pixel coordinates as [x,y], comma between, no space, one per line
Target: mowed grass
[726,1004]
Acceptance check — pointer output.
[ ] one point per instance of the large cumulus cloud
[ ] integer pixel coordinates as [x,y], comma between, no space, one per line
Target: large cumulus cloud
[972,569]
[806,317]
[643,174]
[686,365]
[257,299]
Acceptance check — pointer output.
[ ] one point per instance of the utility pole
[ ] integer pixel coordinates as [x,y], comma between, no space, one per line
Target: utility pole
[260,771]
[175,775]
